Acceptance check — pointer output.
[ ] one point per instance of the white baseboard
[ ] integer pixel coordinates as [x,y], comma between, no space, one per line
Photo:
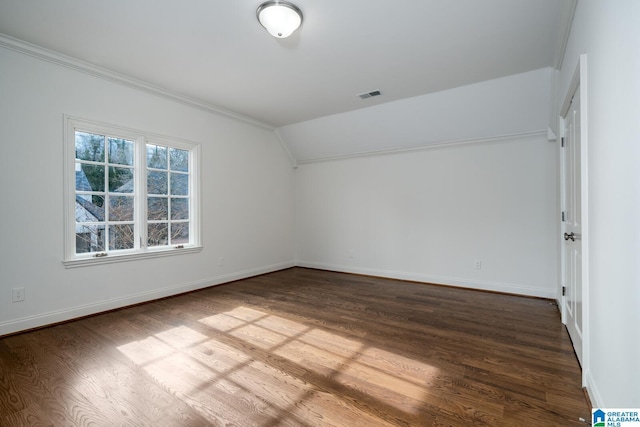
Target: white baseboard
[594,394]
[438,280]
[52,317]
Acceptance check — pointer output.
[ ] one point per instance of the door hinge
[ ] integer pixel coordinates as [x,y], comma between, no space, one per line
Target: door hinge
[562,142]
[564,216]
[564,290]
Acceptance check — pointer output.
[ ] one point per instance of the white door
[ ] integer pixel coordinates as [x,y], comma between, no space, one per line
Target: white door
[572,226]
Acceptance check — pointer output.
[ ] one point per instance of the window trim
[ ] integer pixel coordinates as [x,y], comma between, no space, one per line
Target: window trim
[70,259]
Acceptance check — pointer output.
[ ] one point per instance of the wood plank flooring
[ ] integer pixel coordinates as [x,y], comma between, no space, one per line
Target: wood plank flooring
[300,347]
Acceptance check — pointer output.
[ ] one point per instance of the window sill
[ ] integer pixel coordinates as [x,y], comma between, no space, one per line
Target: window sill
[110,259]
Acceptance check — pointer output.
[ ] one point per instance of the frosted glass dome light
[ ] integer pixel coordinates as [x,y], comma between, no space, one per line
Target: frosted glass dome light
[280,18]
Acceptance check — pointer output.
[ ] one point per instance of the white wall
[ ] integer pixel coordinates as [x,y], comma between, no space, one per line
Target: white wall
[428,215]
[609,33]
[247,195]
[505,106]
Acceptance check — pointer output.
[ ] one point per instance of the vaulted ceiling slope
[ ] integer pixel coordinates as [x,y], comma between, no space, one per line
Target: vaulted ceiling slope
[215,52]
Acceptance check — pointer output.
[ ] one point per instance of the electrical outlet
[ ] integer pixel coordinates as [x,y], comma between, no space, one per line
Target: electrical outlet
[221,261]
[18,294]
[478,264]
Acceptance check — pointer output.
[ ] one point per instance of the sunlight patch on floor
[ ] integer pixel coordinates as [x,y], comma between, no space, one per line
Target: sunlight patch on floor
[359,373]
[181,337]
[222,322]
[408,369]
[332,355]
[236,361]
[144,351]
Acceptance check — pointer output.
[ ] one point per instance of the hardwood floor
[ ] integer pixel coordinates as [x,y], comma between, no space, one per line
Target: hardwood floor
[300,347]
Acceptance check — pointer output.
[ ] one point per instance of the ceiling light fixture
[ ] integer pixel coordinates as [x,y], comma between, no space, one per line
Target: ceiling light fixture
[280,18]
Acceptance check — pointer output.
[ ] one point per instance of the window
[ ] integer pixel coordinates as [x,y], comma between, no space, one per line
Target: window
[128,194]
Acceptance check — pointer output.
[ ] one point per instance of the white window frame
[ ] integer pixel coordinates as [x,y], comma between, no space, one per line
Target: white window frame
[140,251]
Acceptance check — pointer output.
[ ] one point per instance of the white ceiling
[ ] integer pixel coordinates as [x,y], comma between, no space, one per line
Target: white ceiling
[216,51]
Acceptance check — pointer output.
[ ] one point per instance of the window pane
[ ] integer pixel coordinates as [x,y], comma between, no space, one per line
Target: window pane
[179,160]
[179,233]
[89,147]
[179,208]
[121,236]
[156,156]
[157,234]
[179,184]
[157,208]
[120,208]
[89,238]
[120,151]
[89,208]
[110,210]
[120,180]
[156,182]
[91,176]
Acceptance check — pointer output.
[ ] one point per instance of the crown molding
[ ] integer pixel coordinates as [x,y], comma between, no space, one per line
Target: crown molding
[60,59]
[564,30]
[540,135]
[294,162]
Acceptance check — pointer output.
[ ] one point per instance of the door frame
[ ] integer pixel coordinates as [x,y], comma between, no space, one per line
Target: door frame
[579,80]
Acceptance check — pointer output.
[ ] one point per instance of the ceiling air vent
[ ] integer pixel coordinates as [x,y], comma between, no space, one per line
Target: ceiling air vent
[370,94]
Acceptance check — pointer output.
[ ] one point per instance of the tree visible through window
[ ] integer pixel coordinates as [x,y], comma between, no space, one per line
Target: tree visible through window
[130,193]
[167,195]
[104,193]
